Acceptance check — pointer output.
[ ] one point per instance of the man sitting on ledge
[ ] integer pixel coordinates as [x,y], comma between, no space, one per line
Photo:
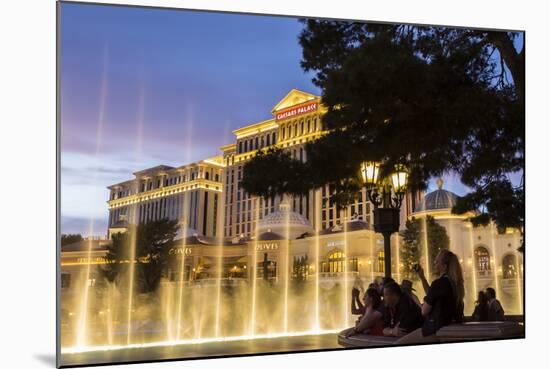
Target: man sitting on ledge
[401,314]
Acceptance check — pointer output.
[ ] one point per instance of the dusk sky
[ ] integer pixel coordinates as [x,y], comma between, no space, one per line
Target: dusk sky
[142,87]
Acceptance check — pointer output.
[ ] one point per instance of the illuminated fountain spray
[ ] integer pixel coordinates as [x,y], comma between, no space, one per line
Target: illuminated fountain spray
[285,207]
[398,255]
[131,272]
[519,276]
[426,247]
[317,322]
[371,259]
[83,323]
[493,263]
[471,262]
[220,255]
[133,236]
[181,282]
[253,276]
[346,262]
[81,338]
[184,226]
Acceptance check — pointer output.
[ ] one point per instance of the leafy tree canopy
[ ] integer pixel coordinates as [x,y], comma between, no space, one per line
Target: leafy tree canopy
[67,239]
[436,99]
[415,236]
[152,242]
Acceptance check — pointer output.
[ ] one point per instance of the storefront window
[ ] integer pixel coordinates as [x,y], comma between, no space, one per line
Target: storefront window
[352,266]
[509,267]
[483,260]
[271,269]
[334,263]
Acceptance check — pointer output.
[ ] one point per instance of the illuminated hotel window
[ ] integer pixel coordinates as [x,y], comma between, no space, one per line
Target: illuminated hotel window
[509,265]
[483,260]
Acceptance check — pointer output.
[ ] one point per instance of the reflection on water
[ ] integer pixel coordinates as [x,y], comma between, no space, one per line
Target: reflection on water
[167,351]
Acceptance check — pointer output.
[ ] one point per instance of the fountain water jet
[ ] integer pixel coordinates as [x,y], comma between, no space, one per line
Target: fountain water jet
[83,311]
[426,248]
[398,256]
[371,261]
[286,265]
[219,284]
[493,266]
[81,339]
[132,262]
[471,262]
[181,283]
[317,324]
[346,264]
[519,277]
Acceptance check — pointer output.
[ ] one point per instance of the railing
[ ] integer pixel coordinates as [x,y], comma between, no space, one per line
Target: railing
[337,275]
[484,273]
[510,283]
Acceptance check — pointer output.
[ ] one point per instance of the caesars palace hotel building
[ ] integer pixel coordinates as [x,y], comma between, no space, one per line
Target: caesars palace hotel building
[206,194]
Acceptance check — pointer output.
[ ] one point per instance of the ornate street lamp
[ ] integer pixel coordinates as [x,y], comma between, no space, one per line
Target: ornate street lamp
[386,194]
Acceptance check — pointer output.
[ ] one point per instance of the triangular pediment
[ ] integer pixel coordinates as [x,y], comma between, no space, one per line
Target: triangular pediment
[294,97]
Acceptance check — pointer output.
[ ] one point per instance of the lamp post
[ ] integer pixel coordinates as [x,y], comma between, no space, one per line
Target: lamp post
[386,194]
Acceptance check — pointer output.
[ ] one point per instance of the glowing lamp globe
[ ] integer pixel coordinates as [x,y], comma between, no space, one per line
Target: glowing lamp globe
[399,179]
[369,172]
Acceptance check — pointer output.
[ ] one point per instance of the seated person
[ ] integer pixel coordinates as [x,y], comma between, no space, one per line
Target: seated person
[444,302]
[407,288]
[401,314]
[371,321]
[496,312]
[481,311]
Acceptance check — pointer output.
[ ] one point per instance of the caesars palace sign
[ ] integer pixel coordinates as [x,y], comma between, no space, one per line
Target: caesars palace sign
[297,110]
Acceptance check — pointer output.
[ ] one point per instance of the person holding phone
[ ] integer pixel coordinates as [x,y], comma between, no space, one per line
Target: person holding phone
[444,301]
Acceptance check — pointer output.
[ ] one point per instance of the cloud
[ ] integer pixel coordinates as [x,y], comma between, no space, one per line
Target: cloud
[84,226]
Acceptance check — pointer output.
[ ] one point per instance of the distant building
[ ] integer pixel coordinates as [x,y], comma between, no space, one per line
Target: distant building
[190,194]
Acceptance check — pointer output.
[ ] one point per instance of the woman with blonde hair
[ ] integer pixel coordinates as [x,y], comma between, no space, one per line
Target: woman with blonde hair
[444,301]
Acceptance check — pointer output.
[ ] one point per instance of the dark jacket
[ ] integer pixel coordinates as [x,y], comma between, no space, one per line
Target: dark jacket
[407,313]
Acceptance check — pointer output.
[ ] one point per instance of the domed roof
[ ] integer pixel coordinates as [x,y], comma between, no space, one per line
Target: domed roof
[269,236]
[283,222]
[349,226]
[438,199]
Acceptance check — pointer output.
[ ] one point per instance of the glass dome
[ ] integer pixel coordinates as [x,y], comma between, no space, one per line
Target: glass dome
[437,200]
[277,222]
